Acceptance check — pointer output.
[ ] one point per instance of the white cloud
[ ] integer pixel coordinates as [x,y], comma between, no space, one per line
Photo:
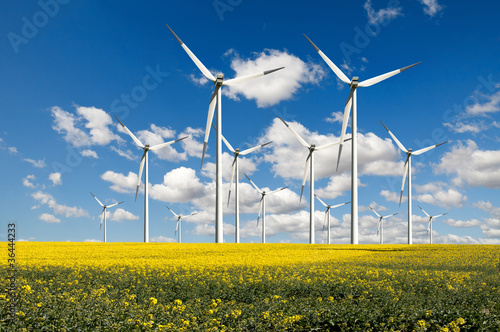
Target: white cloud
[462,223]
[246,165]
[472,166]
[462,127]
[191,146]
[336,117]
[36,163]
[157,135]
[92,240]
[120,182]
[120,214]
[162,238]
[96,120]
[338,185]
[392,196]
[440,194]
[12,150]
[179,185]
[67,211]
[127,153]
[275,87]
[200,80]
[55,178]
[490,104]
[27,181]
[431,7]
[89,153]
[381,15]
[49,218]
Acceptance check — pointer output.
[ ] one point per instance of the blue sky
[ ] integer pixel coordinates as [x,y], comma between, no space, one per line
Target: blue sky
[69,66]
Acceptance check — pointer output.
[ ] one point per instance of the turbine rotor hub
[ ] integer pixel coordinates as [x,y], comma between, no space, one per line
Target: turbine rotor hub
[355,81]
[220,79]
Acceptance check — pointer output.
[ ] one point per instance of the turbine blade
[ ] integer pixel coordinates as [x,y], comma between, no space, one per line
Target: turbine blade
[227,143]
[308,160]
[404,179]
[210,117]
[423,211]
[247,151]
[439,215]
[324,220]
[192,214]
[390,215]
[336,206]
[98,201]
[136,140]
[172,211]
[232,179]
[193,57]
[177,225]
[260,209]
[319,199]
[377,79]
[110,206]
[345,120]
[243,79]
[301,140]
[329,62]
[378,215]
[102,217]
[401,146]
[255,186]
[329,145]
[162,145]
[416,153]
[139,175]
[274,191]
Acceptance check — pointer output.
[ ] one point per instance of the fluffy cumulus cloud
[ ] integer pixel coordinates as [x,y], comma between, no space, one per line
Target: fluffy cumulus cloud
[471,166]
[36,163]
[89,153]
[491,225]
[381,15]
[95,121]
[485,104]
[55,178]
[49,218]
[431,7]
[120,214]
[121,183]
[161,238]
[157,135]
[462,223]
[179,185]
[392,196]
[28,181]
[275,87]
[67,211]
[439,193]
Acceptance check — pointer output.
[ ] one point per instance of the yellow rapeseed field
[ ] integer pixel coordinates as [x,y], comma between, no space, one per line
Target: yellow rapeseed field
[247,287]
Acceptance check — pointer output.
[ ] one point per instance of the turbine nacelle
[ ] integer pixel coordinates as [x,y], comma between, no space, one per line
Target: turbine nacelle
[355,82]
[220,79]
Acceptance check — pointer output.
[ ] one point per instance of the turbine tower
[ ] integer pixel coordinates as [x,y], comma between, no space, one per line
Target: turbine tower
[103,214]
[178,226]
[216,100]
[352,101]
[309,166]
[262,207]
[407,171]
[429,223]
[327,215]
[235,174]
[380,229]
[144,165]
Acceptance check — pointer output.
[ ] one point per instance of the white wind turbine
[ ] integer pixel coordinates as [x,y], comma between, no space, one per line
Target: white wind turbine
[407,171]
[235,174]
[262,206]
[103,214]
[352,101]
[327,215]
[144,165]
[216,99]
[380,229]
[178,226]
[309,167]
[429,223]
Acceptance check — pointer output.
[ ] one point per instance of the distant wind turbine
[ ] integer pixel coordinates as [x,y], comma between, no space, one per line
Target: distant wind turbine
[103,214]
[309,167]
[262,207]
[178,226]
[144,165]
[352,101]
[380,229]
[235,174]
[216,99]
[327,215]
[407,171]
[429,223]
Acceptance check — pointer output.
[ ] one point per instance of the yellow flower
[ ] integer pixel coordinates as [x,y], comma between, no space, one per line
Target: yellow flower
[152,301]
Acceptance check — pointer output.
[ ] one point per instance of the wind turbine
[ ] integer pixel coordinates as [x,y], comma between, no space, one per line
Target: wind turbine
[216,99]
[380,224]
[262,207]
[352,101]
[144,165]
[309,166]
[235,173]
[178,226]
[429,223]
[103,214]
[327,214]
[407,170]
